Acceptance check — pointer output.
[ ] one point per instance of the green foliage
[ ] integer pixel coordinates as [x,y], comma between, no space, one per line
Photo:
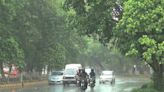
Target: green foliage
[144,90]
[141,30]
[54,56]
[94,18]
[40,31]
[149,87]
[91,17]
[10,52]
[95,54]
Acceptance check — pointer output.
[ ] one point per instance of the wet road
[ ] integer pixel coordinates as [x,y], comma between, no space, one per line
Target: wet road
[121,85]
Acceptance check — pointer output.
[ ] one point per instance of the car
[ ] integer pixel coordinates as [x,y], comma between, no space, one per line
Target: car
[70,73]
[69,76]
[56,77]
[75,66]
[88,70]
[107,76]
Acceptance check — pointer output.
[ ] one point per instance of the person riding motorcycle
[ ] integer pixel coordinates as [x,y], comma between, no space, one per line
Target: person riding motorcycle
[78,77]
[92,75]
[79,73]
[84,76]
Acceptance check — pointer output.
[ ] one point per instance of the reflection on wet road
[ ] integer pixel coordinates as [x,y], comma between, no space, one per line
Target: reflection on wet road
[121,85]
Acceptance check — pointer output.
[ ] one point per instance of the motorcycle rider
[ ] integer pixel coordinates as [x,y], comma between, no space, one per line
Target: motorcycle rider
[84,76]
[78,77]
[79,73]
[92,74]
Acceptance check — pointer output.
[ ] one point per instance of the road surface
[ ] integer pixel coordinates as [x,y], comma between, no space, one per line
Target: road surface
[123,84]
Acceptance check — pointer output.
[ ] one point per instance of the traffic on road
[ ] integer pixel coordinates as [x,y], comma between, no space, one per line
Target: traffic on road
[74,78]
[122,84]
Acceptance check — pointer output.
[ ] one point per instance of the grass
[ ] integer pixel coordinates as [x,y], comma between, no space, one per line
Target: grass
[145,88]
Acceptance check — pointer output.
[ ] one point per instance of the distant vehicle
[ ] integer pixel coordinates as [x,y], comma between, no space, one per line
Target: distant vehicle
[88,70]
[70,73]
[107,76]
[14,73]
[74,66]
[55,77]
[69,76]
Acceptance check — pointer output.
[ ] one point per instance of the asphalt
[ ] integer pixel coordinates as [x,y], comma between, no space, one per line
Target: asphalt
[123,84]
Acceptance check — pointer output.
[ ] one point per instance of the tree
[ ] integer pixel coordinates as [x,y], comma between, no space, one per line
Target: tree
[40,29]
[10,53]
[54,56]
[37,27]
[92,17]
[140,32]
[10,50]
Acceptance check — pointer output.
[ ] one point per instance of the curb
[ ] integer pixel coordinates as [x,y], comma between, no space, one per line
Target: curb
[20,85]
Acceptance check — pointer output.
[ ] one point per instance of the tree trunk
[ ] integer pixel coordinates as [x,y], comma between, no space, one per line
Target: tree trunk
[158,76]
[158,79]
[1,69]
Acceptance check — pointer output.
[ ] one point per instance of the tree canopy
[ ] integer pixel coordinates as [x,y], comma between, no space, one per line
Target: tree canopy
[140,32]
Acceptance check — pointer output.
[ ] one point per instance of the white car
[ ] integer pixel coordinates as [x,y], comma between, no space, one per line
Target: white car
[70,73]
[88,70]
[107,76]
[69,76]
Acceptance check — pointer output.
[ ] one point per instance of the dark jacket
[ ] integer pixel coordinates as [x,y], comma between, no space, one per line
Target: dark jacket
[92,74]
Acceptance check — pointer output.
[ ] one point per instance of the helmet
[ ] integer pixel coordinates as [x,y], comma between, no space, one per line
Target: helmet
[92,70]
[83,70]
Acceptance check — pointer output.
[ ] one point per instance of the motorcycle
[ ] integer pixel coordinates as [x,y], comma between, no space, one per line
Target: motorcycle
[91,82]
[78,83]
[83,85]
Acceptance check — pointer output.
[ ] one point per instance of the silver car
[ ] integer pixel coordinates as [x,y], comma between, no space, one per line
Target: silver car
[55,77]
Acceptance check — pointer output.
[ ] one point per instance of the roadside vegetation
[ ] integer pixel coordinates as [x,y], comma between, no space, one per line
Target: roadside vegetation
[146,88]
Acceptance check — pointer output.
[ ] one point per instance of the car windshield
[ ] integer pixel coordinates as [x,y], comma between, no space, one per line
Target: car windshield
[70,71]
[57,73]
[107,73]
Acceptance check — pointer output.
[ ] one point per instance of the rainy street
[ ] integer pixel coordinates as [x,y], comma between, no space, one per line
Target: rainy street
[123,84]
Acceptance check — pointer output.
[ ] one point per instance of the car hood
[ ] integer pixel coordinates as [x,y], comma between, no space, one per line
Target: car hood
[69,75]
[56,76]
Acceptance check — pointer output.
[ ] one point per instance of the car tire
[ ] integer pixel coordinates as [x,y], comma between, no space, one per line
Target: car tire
[113,81]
